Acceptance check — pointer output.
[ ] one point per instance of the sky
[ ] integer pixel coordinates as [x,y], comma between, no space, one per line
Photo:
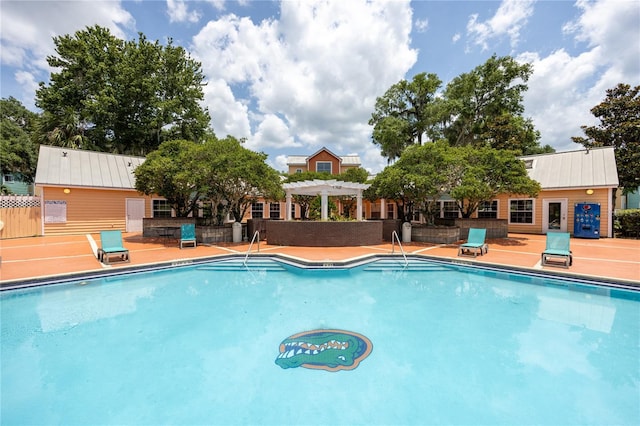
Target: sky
[293,77]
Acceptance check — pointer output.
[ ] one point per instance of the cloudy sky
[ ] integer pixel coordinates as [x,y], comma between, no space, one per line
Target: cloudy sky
[294,76]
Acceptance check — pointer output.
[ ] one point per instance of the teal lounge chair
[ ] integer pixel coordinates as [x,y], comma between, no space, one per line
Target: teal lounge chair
[558,249]
[111,242]
[475,243]
[187,234]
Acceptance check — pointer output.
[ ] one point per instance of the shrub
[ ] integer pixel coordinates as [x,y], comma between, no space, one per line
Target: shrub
[627,222]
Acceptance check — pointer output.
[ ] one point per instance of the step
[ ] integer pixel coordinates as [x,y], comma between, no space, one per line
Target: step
[241,266]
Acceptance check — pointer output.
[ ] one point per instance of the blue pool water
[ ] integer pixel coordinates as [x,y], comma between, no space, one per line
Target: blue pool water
[198,345]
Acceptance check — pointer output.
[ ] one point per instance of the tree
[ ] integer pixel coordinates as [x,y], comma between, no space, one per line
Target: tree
[236,176]
[470,175]
[121,96]
[355,174]
[172,172]
[480,174]
[485,106]
[18,150]
[416,181]
[405,114]
[619,127]
[482,108]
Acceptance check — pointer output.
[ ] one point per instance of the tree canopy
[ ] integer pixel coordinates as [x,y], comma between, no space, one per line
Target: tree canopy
[171,172]
[18,150]
[469,174]
[619,127]
[481,108]
[235,176]
[120,96]
[220,171]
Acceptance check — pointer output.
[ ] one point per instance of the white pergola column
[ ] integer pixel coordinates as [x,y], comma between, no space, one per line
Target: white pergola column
[383,208]
[359,205]
[287,215]
[324,196]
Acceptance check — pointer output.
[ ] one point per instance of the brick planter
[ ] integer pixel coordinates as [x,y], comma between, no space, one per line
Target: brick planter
[323,234]
[496,228]
[435,234]
[214,234]
[151,225]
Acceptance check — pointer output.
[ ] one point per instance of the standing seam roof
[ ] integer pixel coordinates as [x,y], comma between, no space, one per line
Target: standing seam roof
[73,167]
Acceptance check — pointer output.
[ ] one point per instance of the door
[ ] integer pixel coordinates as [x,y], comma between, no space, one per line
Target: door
[554,215]
[135,214]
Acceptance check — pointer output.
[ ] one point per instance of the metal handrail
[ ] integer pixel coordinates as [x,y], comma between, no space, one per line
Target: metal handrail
[397,238]
[255,234]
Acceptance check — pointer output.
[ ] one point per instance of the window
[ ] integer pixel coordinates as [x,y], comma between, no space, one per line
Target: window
[488,210]
[390,211]
[257,210]
[521,211]
[274,210]
[293,211]
[323,167]
[449,210]
[161,208]
[298,170]
[8,178]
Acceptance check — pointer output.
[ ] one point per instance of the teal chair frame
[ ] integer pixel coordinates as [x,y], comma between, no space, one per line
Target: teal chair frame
[475,243]
[187,235]
[111,247]
[558,250]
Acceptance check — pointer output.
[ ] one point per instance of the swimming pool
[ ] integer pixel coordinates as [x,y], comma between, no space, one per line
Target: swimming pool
[199,344]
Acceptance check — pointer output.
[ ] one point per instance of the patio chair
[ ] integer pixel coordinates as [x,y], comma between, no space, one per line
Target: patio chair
[187,234]
[111,246]
[558,249]
[475,243]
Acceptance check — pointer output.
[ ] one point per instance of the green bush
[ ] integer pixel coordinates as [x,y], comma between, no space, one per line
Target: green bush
[627,222]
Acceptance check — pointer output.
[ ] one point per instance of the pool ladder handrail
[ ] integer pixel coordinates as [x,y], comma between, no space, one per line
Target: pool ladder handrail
[397,238]
[255,235]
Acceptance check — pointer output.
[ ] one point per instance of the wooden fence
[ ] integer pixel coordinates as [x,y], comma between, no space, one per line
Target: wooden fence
[20,216]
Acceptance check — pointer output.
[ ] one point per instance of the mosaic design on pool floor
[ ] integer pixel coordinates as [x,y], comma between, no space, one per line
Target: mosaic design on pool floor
[330,350]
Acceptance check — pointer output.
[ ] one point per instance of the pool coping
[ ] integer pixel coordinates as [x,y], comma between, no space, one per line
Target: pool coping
[616,283]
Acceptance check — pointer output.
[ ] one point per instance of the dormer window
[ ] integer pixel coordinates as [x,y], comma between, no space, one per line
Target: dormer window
[528,164]
[323,167]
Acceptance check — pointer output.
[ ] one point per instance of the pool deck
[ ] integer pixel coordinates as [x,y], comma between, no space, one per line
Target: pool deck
[55,256]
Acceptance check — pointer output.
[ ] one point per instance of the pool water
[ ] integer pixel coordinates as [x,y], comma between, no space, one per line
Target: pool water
[198,344]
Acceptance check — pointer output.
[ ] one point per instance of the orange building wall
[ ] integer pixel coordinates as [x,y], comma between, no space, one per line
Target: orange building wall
[91,210]
[572,196]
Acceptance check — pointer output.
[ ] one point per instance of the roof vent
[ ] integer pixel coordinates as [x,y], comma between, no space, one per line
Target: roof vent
[64,153]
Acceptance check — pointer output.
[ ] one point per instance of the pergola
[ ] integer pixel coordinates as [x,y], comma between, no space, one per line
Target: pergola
[325,188]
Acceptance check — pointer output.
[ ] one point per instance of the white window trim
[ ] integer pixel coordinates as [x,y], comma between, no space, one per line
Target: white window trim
[173,213]
[533,211]
[325,162]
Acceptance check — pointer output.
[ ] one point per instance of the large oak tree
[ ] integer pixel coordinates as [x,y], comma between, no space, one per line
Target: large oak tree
[619,127]
[113,95]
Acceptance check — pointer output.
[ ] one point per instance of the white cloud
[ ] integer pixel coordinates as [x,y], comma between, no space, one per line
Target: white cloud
[509,19]
[564,88]
[272,132]
[228,115]
[28,28]
[319,68]
[178,11]
[422,25]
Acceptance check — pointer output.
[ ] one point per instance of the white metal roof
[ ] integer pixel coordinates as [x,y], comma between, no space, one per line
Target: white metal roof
[332,187]
[591,168]
[72,167]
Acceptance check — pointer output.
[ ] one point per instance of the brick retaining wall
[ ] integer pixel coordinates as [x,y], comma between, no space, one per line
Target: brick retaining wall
[323,234]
